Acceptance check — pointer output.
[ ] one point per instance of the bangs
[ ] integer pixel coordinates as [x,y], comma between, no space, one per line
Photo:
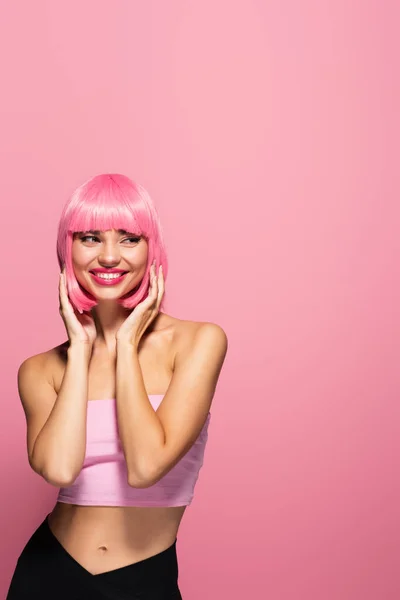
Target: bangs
[107,217]
[104,204]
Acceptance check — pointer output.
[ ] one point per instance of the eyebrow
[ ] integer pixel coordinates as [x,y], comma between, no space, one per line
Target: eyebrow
[97,232]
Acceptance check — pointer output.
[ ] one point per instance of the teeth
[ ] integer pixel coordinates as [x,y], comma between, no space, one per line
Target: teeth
[108,275]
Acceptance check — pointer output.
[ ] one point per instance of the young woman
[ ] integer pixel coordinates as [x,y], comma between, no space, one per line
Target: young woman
[117,416]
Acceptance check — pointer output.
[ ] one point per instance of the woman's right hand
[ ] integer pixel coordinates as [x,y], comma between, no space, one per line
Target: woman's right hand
[80,327]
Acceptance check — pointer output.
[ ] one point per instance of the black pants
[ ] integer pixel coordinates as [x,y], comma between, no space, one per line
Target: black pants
[45,570]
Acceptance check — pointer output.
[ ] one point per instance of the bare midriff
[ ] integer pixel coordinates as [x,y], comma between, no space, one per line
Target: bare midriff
[103,538]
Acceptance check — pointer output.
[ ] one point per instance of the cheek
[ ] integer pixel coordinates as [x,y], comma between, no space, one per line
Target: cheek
[80,256]
[139,258]
[75,254]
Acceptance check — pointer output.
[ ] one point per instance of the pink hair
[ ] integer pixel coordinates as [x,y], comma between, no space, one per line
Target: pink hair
[110,201]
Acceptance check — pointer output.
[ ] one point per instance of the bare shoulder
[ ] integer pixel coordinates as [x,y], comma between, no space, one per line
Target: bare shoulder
[189,331]
[203,335]
[37,394]
[200,348]
[35,365]
[39,368]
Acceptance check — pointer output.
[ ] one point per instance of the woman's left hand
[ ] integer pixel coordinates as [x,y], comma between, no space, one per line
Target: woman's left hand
[144,313]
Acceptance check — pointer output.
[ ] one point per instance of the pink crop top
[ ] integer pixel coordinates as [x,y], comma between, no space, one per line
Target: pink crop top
[103,480]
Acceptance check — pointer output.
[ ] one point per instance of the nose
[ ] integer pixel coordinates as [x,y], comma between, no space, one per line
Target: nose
[109,255]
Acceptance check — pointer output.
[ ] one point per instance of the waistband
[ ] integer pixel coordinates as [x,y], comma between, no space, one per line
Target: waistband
[156,569]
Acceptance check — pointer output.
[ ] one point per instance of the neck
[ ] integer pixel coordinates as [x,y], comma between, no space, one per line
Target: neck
[108,317]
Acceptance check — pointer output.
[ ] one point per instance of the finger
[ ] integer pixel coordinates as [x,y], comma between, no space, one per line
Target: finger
[61,289]
[161,286]
[153,285]
[62,286]
[161,280]
[156,293]
[64,300]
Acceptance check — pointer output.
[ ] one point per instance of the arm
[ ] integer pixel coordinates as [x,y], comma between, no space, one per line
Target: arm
[56,424]
[154,441]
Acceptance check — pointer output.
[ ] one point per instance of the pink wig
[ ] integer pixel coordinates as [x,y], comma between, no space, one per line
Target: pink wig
[110,202]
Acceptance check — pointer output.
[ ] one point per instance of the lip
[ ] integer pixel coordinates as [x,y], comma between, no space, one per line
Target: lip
[113,281]
[104,270]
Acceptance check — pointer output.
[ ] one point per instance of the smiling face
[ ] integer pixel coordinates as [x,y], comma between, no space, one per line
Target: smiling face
[109,264]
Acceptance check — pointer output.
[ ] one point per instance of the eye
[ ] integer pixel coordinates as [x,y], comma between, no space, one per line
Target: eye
[88,237]
[134,239]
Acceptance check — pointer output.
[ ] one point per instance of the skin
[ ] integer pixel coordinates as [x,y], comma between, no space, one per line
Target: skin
[106,538]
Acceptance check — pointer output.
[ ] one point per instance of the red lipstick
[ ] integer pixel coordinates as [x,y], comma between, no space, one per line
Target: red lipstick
[105,270]
[115,276]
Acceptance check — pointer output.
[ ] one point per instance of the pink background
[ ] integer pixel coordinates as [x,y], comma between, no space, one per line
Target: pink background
[267,133]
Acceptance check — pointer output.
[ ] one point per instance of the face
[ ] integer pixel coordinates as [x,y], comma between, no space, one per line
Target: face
[109,264]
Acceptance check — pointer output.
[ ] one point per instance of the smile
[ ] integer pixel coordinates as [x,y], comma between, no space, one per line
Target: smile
[107,278]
